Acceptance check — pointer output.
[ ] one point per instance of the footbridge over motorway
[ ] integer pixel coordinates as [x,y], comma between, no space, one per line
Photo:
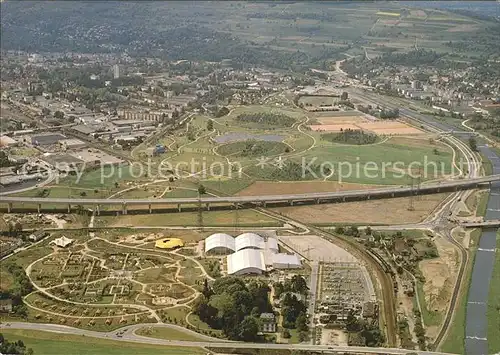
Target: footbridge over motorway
[39,203]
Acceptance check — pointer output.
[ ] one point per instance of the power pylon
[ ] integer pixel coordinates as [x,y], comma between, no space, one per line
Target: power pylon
[236,220]
[411,203]
[200,213]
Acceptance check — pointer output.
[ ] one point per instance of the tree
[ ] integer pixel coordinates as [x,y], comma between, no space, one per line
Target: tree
[344,96]
[59,115]
[302,336]
[116,185]
[18,228]
[11,229]
[210,125]
[248,329]
[222,112]
[473,144]
[45,111]
[301,322]
[202,190]
[299,284]
[368,230]
[83,194]
[286,334]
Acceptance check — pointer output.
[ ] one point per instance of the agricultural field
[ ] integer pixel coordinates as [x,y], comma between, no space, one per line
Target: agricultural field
[375,212]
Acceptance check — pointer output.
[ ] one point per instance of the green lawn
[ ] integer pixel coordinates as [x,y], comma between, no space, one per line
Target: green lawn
[46,343]
[482,204]
[167,333]
[494,306]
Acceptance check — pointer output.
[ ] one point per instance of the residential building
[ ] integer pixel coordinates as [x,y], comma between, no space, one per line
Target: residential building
[267,323]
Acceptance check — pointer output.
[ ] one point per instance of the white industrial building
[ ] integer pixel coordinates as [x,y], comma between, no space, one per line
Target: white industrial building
[220,243]
[246,261]
[286,261]
[249,253]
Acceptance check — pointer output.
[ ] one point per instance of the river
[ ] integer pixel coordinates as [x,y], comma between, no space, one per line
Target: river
[476,325]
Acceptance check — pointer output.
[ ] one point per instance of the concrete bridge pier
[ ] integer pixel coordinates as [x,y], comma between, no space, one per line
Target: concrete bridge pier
[179,207]
[317,201]
[343,199]
[124,208]
[264,204]
[149,206]
[97,210]
[208,206]
[9,207]
[69,207]
[39,207]
[291,202]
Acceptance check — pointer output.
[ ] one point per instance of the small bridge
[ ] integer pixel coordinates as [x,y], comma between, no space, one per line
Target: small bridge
[491,223]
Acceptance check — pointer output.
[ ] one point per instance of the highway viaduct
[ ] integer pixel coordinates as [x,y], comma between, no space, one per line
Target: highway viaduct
[39,204]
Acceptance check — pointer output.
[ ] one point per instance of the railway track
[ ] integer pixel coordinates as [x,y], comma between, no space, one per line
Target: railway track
[386,282]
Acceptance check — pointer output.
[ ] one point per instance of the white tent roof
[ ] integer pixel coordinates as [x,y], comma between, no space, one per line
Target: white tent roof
[286,260]
[245,260]
[62,242]
[219,240]
[272,244]
[249,240]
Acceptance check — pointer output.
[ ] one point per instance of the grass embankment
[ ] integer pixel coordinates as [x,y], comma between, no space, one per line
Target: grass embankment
[167,333]
[46,343]
[493,313]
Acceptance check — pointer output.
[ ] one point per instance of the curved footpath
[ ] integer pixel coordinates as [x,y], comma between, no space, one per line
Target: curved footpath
[127,334]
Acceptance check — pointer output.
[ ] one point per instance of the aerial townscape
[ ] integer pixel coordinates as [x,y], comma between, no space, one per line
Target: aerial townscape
[250,177]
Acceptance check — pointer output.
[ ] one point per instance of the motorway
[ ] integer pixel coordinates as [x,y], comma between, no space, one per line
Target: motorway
[291,198]
[128,335]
